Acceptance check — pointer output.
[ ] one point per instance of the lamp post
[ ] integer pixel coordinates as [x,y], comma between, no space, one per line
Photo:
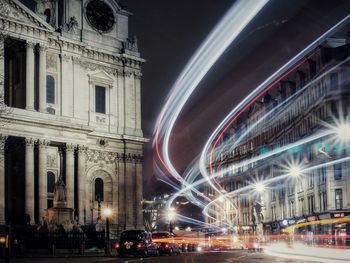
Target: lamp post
[107,212]
[171,214]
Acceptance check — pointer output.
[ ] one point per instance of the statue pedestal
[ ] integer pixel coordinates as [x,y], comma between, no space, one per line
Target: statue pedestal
[57,216]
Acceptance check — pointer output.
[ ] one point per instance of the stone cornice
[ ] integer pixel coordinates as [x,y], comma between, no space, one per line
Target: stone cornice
[96,156]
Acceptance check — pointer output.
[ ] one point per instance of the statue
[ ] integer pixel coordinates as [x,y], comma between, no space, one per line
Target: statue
[258,213]
[72,25]
[60,194]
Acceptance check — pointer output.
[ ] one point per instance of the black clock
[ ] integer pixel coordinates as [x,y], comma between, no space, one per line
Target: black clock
[100,15]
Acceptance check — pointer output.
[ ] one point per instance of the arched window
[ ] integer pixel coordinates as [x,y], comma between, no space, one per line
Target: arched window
[50,89]
[51,180]
[98,189]
[47,13]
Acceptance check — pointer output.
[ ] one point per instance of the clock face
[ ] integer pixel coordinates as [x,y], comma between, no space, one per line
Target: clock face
[100,15]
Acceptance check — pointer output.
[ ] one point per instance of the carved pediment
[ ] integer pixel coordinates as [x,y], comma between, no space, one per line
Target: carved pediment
[15,11]
[102,77]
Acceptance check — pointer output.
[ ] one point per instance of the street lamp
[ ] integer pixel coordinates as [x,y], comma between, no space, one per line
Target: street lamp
[342,131]
[295,171]
[171,214]
[107,212]
[259,187]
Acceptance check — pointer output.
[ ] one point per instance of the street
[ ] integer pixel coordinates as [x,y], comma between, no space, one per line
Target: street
[203,257]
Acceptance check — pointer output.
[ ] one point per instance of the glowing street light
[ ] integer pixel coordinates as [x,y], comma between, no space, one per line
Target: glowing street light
[295,171]
[259,187]
[342,131]
[107,212]
[171,214]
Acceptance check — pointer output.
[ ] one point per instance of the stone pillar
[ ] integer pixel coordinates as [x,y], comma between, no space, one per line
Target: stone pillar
[30,76]
[70,175]
[130,192]
[42,79]
[29,179]
[139,196]
[138,104]
[81,183]
[121,190]
[2,179]
[42,180]
[130,103]
[2,69]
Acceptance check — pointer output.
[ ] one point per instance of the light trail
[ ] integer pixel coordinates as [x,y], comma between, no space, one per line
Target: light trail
[257,93]
[227,30]
[235,20]
[275,179]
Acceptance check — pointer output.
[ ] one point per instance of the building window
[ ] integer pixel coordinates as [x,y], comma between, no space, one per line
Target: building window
[98,189]
[14,73]
[334,80]
[100,99]
[338,199]
[337,171]
[51,180]
[50,89]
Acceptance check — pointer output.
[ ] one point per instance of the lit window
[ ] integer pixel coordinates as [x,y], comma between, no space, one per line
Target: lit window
[50,89]
[100,99]
[338,199]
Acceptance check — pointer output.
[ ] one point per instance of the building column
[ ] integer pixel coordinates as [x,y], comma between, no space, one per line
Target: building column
[2,69]
[42,179]
[130,192]
[139,196]
[2,179]
[121,190]
[42,79]
[29,179]
[70,175]
[81,183]
[30,76]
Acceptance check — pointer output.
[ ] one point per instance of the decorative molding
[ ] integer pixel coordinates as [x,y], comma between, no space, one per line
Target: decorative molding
[42,143]
[30,44]
[102,143]
[66,58]
[5,8]
[82,149]
[51,61]
[70,147]
[90,65]
[96,156]
[42,48]
[30,142]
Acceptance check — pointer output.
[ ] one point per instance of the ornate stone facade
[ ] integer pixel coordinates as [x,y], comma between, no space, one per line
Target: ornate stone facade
[80,117]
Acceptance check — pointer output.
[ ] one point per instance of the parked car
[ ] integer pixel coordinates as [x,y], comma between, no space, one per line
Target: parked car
[166,242]
[136,243]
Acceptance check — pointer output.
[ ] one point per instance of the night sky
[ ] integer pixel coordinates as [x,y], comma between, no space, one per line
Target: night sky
[169,32]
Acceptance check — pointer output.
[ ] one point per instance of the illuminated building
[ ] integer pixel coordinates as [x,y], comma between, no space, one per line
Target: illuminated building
[72,81]
[319,91]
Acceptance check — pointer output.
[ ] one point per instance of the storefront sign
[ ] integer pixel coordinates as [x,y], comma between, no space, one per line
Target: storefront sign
[291,222]
[303,220]
[311,218]
[324,216]
[337,215]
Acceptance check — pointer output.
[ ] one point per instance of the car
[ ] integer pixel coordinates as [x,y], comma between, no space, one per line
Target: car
[166,242]
[136,243]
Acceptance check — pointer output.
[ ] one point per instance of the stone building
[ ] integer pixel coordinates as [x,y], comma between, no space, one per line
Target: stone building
[319,93]
[71,77]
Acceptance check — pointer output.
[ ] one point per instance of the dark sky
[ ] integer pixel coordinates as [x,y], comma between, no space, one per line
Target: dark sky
[169,32]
